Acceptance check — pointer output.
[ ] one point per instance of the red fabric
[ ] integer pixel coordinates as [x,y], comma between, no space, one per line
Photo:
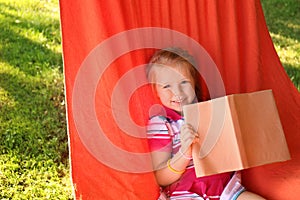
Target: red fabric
[234,34]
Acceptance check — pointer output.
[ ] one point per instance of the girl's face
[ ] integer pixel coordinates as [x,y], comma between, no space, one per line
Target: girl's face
[174,86]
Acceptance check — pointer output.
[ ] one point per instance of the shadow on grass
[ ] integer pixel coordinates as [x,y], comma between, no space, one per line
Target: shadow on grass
[29,56]
[34,124]
[283,17]
[38,121]
[294,74]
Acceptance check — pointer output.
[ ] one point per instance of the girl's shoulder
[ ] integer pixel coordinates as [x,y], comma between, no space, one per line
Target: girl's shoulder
[158,118]
[157,123]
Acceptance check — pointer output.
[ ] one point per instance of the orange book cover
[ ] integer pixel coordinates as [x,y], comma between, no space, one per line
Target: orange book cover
[236,132]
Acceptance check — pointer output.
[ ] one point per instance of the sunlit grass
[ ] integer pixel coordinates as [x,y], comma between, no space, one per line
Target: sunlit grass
[283,20]
[34,154]
[288,51]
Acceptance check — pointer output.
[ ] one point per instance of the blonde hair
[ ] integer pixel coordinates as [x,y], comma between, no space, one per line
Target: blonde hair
[179,57]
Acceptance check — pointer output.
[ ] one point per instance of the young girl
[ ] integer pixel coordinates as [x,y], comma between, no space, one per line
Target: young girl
[175,82]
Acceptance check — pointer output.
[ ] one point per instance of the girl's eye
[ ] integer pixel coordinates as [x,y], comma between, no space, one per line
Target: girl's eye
[166,86]
[184,81]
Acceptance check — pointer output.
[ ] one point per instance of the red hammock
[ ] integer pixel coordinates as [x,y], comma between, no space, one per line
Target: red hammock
[105,42]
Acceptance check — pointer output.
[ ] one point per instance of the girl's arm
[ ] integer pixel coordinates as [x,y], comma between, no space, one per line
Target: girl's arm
[169,170]
[249,196]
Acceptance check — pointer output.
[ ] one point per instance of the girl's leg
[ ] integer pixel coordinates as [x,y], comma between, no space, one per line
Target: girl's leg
[249,196]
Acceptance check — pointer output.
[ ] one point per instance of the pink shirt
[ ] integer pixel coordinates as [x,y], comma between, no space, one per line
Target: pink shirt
[163,134]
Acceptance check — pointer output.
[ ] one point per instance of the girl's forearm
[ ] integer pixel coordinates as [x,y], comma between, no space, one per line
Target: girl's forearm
[172,169]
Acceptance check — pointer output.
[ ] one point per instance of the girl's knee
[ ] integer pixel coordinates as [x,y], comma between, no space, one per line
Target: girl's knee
[246,195]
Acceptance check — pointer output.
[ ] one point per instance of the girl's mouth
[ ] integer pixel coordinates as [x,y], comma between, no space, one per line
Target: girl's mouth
[177,102]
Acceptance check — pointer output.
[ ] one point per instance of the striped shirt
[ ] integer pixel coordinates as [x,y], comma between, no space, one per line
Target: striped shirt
[163,133]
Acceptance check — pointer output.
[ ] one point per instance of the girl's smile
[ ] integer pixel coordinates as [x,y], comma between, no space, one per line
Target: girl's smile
[174,87]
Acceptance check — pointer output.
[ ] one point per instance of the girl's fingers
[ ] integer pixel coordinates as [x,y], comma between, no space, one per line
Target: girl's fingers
[196,140]
[190,139]
[188,135]
[188,127]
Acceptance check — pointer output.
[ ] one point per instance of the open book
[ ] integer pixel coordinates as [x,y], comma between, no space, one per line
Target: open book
[236,132]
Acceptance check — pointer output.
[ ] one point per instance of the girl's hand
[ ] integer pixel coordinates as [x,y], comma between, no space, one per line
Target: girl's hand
[188,137]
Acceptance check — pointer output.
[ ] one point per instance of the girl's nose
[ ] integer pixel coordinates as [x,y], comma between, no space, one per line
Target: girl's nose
[177,90]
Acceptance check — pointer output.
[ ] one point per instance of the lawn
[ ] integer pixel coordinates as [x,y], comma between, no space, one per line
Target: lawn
[34,161]
[283,20]
[34,153]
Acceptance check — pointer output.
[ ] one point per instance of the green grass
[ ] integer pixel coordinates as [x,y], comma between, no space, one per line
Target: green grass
[283,20]
[34,153]
[33,140]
